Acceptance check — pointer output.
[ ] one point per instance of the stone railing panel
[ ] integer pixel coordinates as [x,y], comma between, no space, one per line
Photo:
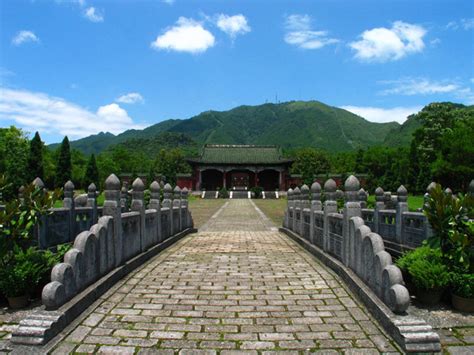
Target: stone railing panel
[335,224]
[318,238]
[131,234]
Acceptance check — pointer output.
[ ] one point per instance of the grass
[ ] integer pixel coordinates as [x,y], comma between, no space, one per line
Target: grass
[202,210]
[273,209]
[414,202]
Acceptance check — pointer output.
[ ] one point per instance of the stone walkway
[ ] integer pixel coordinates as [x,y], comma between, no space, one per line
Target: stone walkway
[237,286]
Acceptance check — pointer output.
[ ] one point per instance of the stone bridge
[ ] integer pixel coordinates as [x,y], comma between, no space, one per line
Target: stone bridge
[237,286]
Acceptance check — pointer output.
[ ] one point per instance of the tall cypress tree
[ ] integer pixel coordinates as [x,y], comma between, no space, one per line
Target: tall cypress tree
[64,165]
[35,159]
[92,173]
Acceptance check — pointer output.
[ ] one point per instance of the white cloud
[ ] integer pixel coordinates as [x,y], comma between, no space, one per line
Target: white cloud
[378,114]
[24,37]
[93,15]
[472,80]
[418,86]
[384,44]
[465,24]
[40,112]
[168,2]
[233,25]
[187,35]
[299,33]
[130,98]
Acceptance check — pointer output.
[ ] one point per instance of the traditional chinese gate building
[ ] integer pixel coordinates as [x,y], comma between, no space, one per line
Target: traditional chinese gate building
[239,167]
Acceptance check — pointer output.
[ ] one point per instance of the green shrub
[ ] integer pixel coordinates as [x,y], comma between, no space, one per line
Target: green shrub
[429,274]
[24,271]
[463,284]
[257,190]
[423,252]
[223,193]
[451,219]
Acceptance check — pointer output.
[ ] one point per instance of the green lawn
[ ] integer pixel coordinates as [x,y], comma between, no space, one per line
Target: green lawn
[202,210]
[274,209]
[414,202]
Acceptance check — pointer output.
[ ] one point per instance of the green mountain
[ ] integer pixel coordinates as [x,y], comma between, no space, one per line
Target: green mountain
[401,136]
[290,125]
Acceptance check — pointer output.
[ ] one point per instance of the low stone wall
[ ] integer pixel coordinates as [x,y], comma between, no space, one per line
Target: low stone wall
[347,244]
[113,241]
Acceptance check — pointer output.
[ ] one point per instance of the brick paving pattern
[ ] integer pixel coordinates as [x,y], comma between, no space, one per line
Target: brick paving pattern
[238,286]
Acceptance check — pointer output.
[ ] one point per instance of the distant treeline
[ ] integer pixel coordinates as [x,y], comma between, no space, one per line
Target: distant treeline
[442,150]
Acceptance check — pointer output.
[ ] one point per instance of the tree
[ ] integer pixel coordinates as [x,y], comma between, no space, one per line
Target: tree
[310,162]
[13,160]
[92,173]
[169,163]
[35,158]
[64,165]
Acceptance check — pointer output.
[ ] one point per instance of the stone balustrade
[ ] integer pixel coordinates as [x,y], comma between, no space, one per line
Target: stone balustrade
[116,236]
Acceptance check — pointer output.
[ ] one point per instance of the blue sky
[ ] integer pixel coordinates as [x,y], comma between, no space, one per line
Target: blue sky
[79,67]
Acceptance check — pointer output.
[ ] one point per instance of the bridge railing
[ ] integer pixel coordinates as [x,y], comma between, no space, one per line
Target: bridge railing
[117,237]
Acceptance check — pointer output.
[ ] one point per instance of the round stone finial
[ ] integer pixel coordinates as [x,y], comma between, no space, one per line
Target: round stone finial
[155,186]
[168,188]
[431,187]
[379,191]
[177,189]
[330,186]
[138,185]
[289,194]
[304,188]
[315,187]
[92,188]
[362,195]
[38,183]
[69,186]
[185,189]
[351,184]
[402,191]
[296,192]
[471,187]
[112,182]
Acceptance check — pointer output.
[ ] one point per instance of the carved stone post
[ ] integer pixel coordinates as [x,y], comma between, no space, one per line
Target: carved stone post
[155,204]
[167,209]
[177,224]
[138,205]
[363,198]
[305,210]
[92,201]
[296,210]
[68,202]
[41,228]
[429,230]
[330,206]
[112,208]
[124,197]
[351,209]
[402,206]
[315,206]
[185,207]
[379,205]
[288,219]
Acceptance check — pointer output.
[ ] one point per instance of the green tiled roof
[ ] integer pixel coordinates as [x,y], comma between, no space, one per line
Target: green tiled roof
[240,154]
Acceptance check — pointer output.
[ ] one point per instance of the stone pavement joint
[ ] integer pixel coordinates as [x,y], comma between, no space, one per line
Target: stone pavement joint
[237,287]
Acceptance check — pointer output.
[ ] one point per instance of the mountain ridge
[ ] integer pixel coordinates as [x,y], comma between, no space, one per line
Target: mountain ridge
[291,124]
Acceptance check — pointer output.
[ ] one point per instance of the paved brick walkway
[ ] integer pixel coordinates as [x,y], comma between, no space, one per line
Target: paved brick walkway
[238,286]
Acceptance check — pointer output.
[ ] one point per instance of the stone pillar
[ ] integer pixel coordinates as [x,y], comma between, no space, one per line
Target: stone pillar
[351,209]
[315,206]
[429,230]
[40,229]
[92,201]
[289,207]
[402,206]
[112,208]
[124,197]
[167,208]
[379,205]
[155,204]
[296,209]
[68,202]
[305,209]
[185,206]
[177,225]
[138,205]
[330,206]
[362,198]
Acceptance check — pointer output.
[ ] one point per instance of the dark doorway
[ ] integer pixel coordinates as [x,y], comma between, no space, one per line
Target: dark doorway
[212,180]
[268,180]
